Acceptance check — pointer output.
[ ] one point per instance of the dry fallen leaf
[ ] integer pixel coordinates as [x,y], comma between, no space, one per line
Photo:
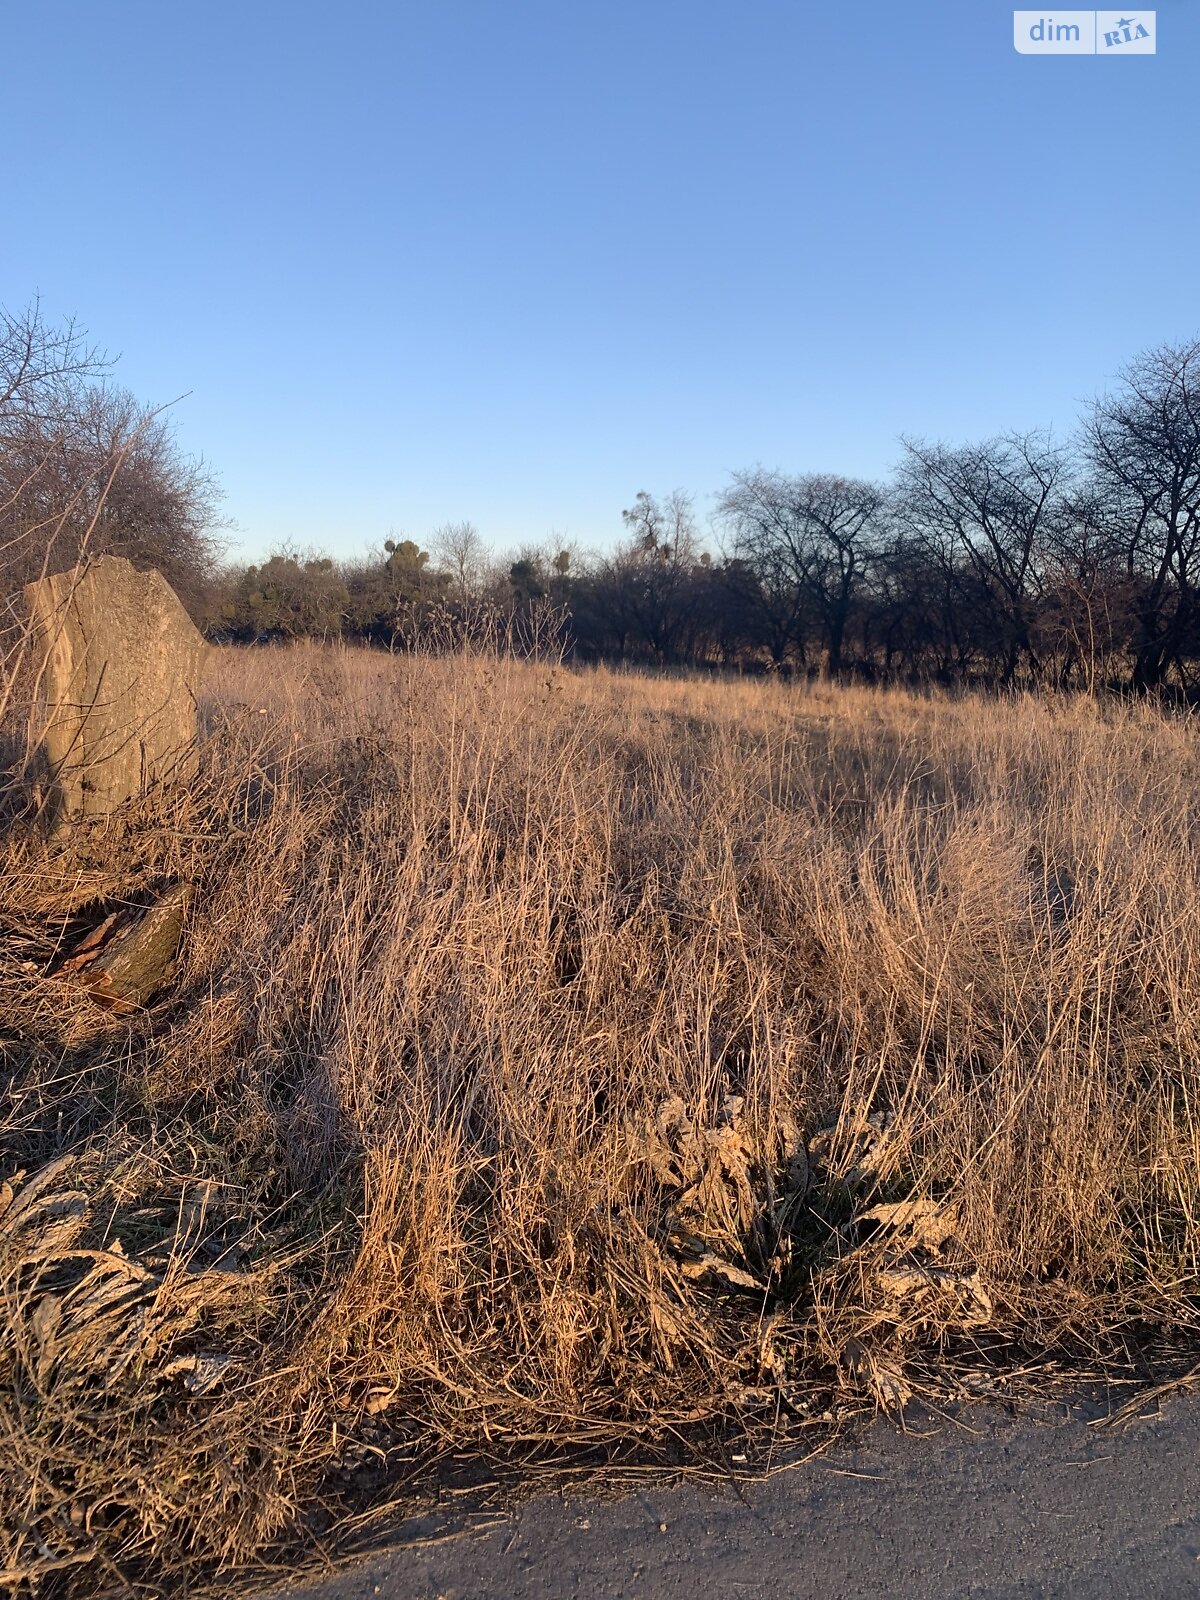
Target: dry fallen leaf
[913,1282]
[710,1265]
[918,1222]
[880,1371]
[200,1372]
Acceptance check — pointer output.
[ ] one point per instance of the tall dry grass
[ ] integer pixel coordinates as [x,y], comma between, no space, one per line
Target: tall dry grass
[562,1060]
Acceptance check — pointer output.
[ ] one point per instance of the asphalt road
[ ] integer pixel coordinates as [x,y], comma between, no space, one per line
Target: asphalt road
[1012,1509]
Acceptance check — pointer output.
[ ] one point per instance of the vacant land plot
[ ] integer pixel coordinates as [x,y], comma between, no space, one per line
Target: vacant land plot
[579,1062]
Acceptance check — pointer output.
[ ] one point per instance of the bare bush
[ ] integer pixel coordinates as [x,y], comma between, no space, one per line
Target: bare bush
[85,467]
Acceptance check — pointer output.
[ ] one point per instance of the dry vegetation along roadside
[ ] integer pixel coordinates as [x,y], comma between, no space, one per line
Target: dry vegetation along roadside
[578,1063]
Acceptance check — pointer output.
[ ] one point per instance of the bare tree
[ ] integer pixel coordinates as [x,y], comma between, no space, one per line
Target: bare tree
[1085,617]
[41,366]
[985,511]
[42,376]
[1143,445]
[84,467]
[811,540]
[651,574]
[461,553]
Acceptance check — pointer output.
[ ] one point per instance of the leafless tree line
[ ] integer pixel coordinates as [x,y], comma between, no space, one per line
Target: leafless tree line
[1023,558]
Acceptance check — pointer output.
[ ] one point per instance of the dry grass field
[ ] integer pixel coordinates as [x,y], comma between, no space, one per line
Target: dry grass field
[579,1062]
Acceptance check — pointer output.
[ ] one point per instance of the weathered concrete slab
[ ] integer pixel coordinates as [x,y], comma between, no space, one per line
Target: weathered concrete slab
[118,692]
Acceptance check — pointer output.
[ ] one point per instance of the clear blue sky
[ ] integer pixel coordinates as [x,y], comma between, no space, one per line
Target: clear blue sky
[514,261]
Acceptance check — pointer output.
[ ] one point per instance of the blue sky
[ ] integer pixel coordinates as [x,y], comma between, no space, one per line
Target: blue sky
[514,261]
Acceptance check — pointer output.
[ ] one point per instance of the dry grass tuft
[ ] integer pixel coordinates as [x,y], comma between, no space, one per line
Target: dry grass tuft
[563,1060]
